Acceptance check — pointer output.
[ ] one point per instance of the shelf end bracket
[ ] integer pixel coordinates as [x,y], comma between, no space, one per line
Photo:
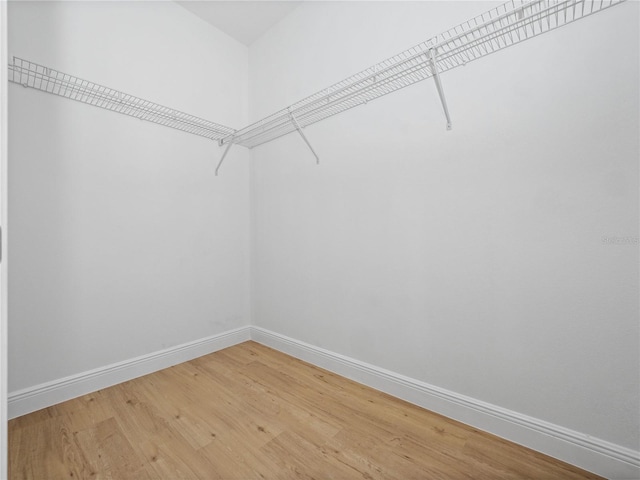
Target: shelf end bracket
[295,124]
[436,78]
[224,154]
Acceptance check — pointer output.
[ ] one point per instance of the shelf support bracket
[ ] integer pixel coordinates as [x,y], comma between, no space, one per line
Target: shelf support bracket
[436,77]
[295,124]
[226,150]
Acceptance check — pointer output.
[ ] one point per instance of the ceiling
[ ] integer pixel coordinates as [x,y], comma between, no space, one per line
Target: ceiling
[243,20]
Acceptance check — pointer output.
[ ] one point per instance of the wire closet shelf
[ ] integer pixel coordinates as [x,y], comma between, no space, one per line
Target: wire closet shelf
[39,77]
[502,27]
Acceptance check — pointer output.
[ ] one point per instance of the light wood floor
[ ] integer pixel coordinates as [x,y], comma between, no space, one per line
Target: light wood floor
[249,412]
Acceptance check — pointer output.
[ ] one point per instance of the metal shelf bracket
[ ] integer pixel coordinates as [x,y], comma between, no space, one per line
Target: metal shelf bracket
[436,78]
[224,154]
[295,124]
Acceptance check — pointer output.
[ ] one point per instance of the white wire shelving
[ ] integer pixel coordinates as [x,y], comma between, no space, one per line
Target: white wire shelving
[506,25]
[39,77]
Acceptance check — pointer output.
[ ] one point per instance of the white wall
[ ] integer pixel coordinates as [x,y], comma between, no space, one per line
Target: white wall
[474,259]
[124,242]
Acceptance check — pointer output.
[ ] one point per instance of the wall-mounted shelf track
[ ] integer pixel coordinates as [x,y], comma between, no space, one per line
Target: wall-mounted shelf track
[33,75]
[510,23]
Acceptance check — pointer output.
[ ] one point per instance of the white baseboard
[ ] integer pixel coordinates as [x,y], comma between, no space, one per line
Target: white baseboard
[44,395]
[595,455]
[599,456]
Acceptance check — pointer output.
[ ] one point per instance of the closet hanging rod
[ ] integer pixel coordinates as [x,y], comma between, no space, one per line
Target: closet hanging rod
[506,25]
[39,77]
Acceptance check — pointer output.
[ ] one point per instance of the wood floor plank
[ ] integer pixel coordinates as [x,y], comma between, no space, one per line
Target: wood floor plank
[46,449]
[250,412]
[86,411]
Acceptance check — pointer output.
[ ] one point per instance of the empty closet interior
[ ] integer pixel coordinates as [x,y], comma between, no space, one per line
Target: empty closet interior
[437,199]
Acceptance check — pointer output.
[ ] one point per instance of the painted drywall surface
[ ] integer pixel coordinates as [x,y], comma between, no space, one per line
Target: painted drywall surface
[124,242]
[496,260]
